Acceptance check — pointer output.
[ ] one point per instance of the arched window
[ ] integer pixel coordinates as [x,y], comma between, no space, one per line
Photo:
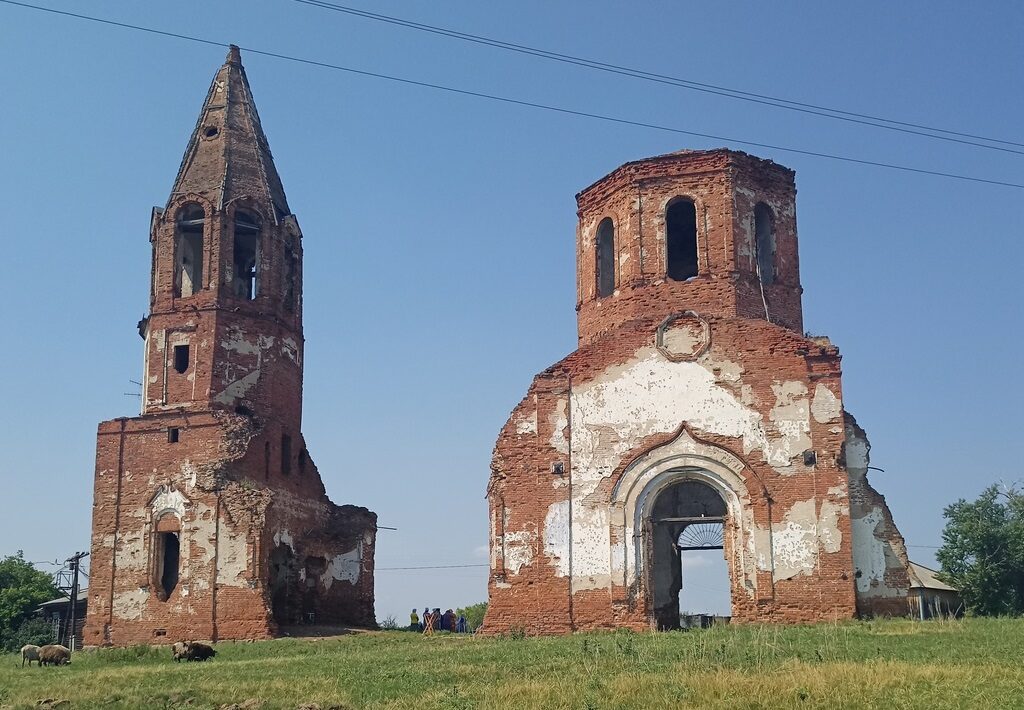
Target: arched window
[246,280]
[681,240]
[188,250]
[764,240]
[166,554]
[605,258]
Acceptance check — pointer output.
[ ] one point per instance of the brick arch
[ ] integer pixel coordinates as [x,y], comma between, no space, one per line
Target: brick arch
[683,457]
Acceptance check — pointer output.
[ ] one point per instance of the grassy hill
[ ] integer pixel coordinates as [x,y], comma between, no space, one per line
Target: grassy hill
[882,664]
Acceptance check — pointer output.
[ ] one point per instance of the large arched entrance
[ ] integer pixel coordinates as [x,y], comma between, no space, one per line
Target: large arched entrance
[686,521]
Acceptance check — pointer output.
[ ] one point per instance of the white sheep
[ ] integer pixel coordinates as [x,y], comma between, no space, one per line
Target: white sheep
[29,653]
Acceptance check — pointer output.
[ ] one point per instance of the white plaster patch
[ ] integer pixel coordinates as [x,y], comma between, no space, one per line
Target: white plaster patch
[129,605]
[131,555]
[283,537]
[559,421]
[237,389]
[232,558]
[344,567]
[825,406]
[527,424]
[168,500]
[791,420]
[868,551]
[556,537]
[518,550]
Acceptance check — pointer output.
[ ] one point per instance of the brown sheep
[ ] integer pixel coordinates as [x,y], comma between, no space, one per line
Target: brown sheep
[54,655]
[29,653]
[192,651]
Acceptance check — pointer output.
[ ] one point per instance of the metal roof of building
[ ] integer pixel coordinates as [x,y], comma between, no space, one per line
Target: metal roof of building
[922,577]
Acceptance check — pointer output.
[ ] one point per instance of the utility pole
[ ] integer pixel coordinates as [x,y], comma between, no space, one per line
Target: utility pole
[73,565]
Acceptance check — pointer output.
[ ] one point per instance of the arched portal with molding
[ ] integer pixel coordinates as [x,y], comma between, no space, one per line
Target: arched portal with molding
[683,494]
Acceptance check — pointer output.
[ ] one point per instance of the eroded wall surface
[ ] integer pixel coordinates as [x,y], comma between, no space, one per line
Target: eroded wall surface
[708,378]
[233,523]
[620,417]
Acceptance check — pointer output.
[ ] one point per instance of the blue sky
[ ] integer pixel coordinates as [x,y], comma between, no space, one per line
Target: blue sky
[439,232]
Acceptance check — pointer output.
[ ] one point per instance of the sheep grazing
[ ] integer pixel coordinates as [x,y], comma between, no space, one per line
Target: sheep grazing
[192,651]
[54,655]
[29,653]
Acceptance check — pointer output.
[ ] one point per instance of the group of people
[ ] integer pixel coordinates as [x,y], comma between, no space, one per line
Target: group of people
[436,621]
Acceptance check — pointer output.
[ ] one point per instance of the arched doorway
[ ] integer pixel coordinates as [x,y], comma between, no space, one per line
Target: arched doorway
[686,521]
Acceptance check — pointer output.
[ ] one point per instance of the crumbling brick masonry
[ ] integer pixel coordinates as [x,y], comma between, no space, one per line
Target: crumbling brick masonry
[694,398]
[210,519]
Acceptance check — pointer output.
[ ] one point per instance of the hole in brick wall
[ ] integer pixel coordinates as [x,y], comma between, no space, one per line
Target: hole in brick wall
[286,454]
[211,131]
[605,258]
[172,435]
[266,460]
[285,598]
[181,358]
[315,568]
[681,239]
[159,632]
[764,241]
[302,461]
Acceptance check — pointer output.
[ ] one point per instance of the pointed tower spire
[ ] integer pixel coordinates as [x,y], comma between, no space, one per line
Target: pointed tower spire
[228,156]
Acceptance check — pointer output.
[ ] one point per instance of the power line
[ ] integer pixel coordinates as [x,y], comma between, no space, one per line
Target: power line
[427,567]
[763,99]
[520,102]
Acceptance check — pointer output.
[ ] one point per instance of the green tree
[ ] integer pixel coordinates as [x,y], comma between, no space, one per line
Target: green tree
[22,589]
[474,614]
[983,551]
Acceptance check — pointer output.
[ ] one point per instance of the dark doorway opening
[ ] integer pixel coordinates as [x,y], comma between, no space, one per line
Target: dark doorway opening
[685,532]
[285,596]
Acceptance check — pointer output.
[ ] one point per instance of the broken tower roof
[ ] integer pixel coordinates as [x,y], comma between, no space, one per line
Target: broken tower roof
[228,156]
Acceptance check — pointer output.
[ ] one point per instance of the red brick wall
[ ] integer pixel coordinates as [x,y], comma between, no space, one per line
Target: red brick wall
[753,402]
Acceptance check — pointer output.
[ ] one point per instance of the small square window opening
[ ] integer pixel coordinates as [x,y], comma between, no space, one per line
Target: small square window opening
[181,358]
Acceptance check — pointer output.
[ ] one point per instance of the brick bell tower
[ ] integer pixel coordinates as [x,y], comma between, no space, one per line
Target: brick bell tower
[695,414]
[210,519]
[707,231]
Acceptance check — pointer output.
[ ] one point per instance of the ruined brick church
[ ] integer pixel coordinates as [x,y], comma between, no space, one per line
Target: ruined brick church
[696,413]
[210,519]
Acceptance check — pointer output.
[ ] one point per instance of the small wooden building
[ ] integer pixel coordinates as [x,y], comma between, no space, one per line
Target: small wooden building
[930,597]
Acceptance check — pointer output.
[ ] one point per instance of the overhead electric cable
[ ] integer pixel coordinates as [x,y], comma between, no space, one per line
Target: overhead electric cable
[520,102]
[392,569]
[787,104]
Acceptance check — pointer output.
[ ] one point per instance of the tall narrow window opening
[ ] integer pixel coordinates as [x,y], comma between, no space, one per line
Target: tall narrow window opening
[172,557]
[188,251]
[286,454]
[166,555]
[246,276]
[764,238]
[605,258]
[181,358]
[681,240]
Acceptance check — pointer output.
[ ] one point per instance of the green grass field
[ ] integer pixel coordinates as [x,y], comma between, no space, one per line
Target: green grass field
[976,663]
